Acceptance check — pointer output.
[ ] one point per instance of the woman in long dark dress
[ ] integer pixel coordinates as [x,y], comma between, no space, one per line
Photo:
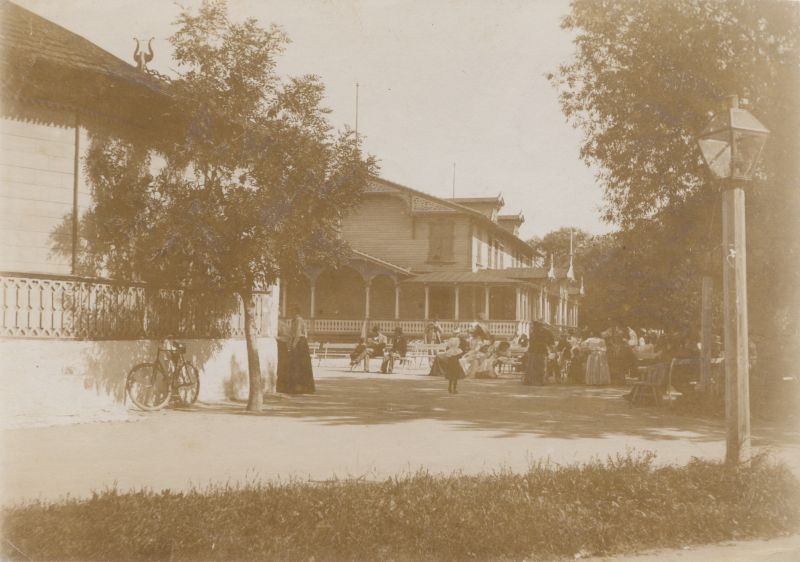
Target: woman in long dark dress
[301,373]
[540,341]
[282,384]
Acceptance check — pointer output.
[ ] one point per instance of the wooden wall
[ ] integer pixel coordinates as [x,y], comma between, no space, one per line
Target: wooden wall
[382,226]
[37,170]
[485,257]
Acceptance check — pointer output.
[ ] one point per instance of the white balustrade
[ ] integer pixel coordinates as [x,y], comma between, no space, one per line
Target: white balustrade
[45,306]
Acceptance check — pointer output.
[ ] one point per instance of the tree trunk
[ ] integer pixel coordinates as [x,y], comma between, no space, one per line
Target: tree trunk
[255,396]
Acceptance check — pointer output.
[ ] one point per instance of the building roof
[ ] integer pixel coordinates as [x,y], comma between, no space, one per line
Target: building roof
[453,204]
[511,275]
[517,217]
[497,200]
[480,277]
[23,32]
[380,262]
[44,64]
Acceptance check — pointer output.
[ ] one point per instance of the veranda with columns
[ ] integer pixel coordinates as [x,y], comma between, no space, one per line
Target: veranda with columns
[341,303]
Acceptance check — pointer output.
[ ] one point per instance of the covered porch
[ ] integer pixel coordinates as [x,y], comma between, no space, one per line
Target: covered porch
[341,303]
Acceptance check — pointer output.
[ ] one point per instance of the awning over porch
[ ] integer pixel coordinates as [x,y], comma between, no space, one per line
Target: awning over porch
[481,277]
[510,275]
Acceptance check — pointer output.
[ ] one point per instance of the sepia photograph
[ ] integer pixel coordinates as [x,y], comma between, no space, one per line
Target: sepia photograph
[400,280]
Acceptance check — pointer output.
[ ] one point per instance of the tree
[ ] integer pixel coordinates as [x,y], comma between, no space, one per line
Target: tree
[556,243]
[250,187]
[645,77]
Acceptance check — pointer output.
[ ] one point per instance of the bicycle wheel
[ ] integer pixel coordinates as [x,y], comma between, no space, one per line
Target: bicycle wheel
[187,384]
[148,386]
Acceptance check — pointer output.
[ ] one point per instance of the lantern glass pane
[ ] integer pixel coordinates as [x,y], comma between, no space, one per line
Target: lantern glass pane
[716,149]
[748,149]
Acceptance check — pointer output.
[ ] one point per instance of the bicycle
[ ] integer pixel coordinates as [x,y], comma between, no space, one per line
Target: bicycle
[150,386]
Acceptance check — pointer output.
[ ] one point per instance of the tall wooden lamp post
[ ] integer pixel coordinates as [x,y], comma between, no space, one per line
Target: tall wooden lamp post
[731,144]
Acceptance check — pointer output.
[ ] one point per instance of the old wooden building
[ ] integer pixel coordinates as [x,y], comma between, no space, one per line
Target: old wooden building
[417,257]
[68,336]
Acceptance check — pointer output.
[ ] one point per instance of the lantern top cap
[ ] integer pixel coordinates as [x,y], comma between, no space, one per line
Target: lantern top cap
[734,117]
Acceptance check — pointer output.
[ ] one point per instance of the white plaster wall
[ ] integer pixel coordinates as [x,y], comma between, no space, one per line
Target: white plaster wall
[51,382]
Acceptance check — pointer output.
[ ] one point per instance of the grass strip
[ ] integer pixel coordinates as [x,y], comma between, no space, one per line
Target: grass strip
[621,505]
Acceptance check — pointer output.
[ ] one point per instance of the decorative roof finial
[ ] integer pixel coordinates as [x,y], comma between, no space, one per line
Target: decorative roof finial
[571,270]
[140,57]
[552,273]
[583,291]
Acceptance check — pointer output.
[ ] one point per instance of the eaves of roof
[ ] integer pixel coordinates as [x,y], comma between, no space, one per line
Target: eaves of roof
[481,277]
[508,276]
[24,33]
[380,262]
[457,207]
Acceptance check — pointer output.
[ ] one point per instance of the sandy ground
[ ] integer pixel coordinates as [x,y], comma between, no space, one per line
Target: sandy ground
[358,425]
[784,549]
[373,426]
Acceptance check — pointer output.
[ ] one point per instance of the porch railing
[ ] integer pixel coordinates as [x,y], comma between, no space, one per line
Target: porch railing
[320,327]
[63,307]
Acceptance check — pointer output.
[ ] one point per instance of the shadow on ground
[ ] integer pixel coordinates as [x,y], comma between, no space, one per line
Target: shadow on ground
[502,406]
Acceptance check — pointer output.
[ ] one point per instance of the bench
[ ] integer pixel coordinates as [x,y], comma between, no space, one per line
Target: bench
[313,350]
[333,350]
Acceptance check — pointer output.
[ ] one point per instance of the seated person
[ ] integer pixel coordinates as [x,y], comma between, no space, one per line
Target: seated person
[359,353]
[477,362]
[397,349]
[501,356]
[522,340]
[376,342]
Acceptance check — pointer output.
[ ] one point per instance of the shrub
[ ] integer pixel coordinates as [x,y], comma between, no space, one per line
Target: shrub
[620,505]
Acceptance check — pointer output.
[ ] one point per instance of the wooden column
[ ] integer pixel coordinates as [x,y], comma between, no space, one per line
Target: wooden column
[397,301]
[455,303]
[76,175]
[283,296]
[427,302]
[486,298]
[312,297]
[518,307]
[705,332]
[542,304]
[737,391]
[367,285]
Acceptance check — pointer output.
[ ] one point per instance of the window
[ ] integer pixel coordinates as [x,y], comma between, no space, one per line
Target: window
[440,241]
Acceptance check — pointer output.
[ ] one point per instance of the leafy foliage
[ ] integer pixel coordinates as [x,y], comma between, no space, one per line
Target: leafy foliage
[644,80]
[255,182]
[556,243]
[252,184]
[622,505]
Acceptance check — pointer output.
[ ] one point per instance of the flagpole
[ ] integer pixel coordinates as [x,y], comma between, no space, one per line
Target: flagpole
[356,112]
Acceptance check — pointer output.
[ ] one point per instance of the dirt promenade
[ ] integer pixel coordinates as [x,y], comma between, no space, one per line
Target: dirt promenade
[358,425]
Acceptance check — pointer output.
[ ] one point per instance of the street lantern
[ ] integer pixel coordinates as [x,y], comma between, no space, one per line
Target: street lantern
[731,144]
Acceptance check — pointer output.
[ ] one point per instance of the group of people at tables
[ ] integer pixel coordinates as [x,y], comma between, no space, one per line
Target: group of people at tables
[377,344]
[595,359]
[539,356]
[476,353]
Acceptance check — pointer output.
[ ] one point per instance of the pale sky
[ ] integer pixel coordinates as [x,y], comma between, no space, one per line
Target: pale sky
[441,81]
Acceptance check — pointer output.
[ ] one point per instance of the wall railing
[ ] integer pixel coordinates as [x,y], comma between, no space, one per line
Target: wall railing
[63,307]
[321,327]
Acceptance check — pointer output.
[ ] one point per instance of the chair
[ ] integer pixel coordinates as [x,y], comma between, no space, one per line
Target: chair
[656,380]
